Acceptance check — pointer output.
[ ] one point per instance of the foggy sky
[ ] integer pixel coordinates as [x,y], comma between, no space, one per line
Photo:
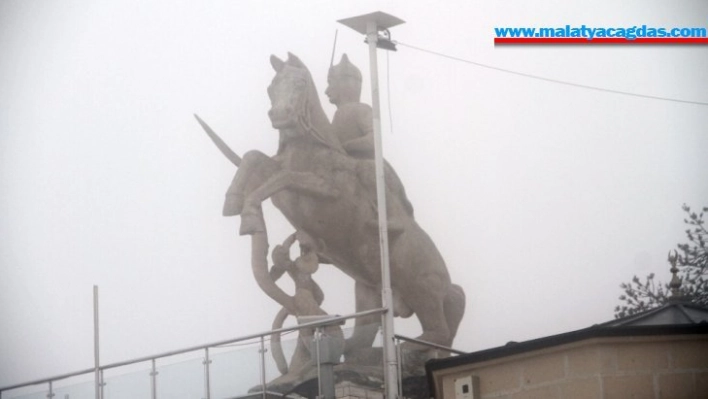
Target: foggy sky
[542,198]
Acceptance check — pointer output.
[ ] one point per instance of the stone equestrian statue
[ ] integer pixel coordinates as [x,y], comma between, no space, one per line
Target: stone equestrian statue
[322,180]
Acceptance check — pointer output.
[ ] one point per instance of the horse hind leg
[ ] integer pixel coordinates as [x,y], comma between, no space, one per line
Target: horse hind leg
[454,308]
[440,318]
[426,296]
[358,346]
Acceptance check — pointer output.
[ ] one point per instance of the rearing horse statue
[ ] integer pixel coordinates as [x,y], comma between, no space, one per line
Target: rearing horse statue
[325,193]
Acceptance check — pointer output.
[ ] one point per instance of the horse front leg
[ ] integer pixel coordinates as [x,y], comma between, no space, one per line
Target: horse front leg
[305,183]
[256,167]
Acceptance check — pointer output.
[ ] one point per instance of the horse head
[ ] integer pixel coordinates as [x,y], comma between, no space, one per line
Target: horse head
[288,92]
[295,105]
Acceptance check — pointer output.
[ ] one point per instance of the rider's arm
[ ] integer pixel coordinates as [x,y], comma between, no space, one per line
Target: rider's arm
[365,124]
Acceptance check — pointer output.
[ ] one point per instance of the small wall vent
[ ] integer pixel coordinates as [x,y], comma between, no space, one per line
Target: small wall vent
[467,387]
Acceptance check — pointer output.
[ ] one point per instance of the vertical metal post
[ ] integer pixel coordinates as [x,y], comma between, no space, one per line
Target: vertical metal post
[390,366]
[399,358]
[207,377]
[153,380]
[50,395]
[97,376]
[263,371]
[103,384]
[328,350]
[319,358]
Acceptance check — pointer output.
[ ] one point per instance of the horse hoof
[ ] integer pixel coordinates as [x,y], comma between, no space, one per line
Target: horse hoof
[233,205]
[251,224]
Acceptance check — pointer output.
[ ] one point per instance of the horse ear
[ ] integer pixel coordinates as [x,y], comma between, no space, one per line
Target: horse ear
[294,60]
[277,63]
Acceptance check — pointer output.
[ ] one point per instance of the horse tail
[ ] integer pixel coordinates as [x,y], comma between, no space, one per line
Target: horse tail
[277,348]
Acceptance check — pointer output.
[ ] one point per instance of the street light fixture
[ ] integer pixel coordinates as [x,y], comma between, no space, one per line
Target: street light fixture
[370,25]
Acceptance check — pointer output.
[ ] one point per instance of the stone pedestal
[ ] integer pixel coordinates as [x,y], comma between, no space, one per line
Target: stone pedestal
[350,390]
[413,388]
[360,377]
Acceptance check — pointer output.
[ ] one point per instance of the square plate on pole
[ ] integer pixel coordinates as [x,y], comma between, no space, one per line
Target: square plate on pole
[382,20]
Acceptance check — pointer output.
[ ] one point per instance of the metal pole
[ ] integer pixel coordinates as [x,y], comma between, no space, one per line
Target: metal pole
[319,370]
[262,352]
[153,380]
[103,384]
[95,343]
[399,358]
[207,376]
[50,395]
[390,366]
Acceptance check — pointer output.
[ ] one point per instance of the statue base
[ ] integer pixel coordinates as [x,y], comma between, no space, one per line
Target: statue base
[413,388]
[359,377]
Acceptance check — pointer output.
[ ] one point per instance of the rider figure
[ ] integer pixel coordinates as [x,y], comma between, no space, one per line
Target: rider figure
[353,120]
[353,125]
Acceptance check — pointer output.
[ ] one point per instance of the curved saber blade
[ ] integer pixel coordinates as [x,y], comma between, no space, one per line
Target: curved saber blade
[228,153]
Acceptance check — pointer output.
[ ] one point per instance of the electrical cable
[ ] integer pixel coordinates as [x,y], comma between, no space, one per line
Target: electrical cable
[527,75]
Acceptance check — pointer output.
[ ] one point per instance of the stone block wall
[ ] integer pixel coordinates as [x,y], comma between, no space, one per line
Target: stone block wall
[600,368]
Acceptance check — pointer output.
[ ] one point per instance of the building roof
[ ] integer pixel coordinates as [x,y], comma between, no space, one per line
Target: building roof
[673,318]
[672,313]
[597,331]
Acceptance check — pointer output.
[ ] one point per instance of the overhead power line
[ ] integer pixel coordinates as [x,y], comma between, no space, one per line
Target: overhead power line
[527,75]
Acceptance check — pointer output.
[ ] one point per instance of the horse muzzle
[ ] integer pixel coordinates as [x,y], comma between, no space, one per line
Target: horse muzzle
[281,118]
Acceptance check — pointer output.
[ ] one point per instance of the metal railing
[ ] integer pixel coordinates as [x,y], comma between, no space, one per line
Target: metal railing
[99,382]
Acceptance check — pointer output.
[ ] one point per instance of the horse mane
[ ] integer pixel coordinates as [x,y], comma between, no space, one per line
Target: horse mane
[313,120]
